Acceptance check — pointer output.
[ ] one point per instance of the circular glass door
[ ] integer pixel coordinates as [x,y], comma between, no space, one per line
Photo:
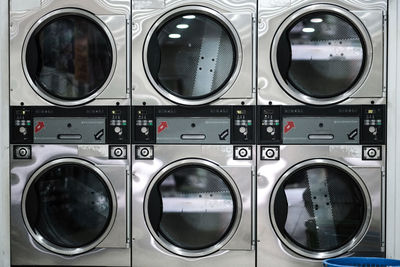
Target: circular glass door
[321,54]
[192,55]
[69,206]
[320,209]
[192,208]
[69,57]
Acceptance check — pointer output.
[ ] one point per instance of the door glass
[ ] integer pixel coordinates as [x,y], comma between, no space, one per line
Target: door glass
[191,55]
[319,208]
[321,55]
[192,207]
[69,57]
[69,205]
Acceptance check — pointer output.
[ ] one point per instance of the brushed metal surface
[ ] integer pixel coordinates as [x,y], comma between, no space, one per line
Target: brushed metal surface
[239,13]
[112,13]
[146,251]
[112,251]
[270,248]
[272,14]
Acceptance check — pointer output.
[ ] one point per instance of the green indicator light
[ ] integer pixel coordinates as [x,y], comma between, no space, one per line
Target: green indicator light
[150,123]
[277,123]
[28,123]
[249,123]
[124,123]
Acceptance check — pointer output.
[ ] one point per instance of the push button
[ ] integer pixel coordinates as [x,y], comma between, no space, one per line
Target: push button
[269,153]
[118,152]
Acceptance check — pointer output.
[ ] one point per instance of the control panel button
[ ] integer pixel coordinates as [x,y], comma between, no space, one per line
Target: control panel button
[372,129]
[243,130]
[269,153]
[23,130]
[144,152]
[145,130]
[372,153]
[22,152]
[118,130]
[118,152]
[270,129]
[242,153]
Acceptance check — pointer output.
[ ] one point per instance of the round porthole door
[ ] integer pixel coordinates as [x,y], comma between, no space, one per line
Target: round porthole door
[192,55]
[320,209]
[69,57]
[69,206]
[321,54]
[192,208]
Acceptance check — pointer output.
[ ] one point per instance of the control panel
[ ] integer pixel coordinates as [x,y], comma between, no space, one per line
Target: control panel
[322,125]
[83,125]
[202,125]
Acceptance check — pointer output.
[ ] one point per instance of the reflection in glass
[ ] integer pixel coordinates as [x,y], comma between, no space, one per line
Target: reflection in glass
[69,205]
[70,57]
[196,206]
[321,55]
[191,56]
[319,208]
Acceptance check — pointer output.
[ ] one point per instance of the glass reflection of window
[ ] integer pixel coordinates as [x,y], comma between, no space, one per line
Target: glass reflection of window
[69,206]
[327,48]
[191,56]
[319,208]
[74,57]
[197,208]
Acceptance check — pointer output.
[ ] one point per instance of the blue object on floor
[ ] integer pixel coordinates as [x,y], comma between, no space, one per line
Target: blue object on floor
[364,262]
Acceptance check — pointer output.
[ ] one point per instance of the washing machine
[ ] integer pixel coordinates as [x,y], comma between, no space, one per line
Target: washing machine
[69,53]
[322,52]
[193,53]
[70,197]
[321,187]
[193,185]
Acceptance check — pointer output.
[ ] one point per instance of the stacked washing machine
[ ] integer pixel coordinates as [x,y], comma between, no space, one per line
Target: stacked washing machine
[321,131]
[193,120]
[70,136]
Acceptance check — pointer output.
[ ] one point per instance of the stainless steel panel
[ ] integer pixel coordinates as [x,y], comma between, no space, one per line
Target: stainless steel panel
[113,14]
[273,13]
[69,130]
[237,252]
[308,130]
[194,130]
[112,251]
[240,15]
[270,248]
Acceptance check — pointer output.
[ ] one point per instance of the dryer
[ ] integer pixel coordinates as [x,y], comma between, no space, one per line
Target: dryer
[321,52]
[69,53]
[70,197]
[321,186]
[193,53]
[193,188]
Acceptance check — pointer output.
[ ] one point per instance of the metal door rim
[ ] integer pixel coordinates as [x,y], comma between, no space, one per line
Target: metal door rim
[53,15]
[237,44]
[343,13]
[354,241]
[39,238]
[236,219]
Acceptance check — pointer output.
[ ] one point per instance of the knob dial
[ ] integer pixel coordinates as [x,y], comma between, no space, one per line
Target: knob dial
[270,129]
[23,130]
[145,130]
[372,129]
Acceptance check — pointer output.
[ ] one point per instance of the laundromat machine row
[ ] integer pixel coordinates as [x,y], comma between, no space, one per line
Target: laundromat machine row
[197,133]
